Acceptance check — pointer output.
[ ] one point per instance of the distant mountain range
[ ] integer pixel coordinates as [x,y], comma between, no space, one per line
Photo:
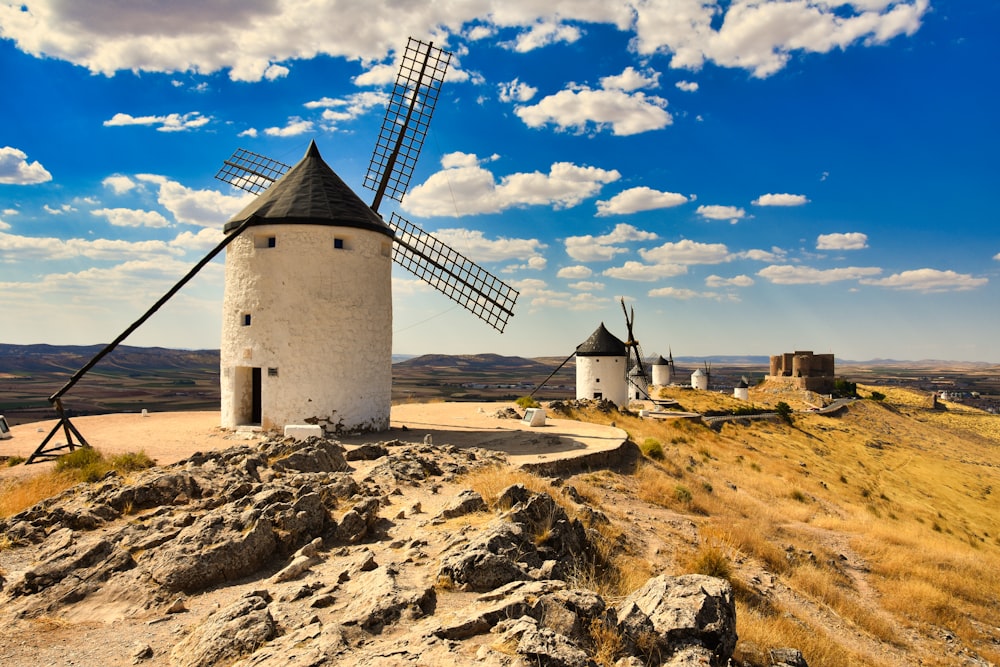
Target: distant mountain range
[22,359]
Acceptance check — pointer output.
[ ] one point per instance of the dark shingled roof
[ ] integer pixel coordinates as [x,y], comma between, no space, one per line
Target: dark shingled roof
[601,344]
[310,193]
[660,361]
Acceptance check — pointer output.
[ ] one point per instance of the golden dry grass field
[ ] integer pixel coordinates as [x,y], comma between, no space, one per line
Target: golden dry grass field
[871,537]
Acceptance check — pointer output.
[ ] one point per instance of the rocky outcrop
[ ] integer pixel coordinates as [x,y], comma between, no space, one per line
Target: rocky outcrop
[284,554]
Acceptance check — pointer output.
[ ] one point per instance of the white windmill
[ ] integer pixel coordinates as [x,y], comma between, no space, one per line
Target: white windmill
[307,330]
[307,317]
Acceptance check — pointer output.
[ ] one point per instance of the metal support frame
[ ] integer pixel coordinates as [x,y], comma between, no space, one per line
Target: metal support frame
[41,453]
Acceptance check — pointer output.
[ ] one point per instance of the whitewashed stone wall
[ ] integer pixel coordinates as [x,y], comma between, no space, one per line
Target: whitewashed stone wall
[603,375]
[320,328]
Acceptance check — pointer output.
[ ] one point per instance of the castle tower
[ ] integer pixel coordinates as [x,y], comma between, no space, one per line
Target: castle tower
[307,312]
[601,368]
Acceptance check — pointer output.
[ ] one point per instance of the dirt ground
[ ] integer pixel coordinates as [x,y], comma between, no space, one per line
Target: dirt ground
[168,437]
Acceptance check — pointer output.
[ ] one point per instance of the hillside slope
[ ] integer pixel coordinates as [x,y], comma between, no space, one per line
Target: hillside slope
[869,537]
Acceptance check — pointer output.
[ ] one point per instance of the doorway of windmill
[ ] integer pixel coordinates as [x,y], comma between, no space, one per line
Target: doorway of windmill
[247,395]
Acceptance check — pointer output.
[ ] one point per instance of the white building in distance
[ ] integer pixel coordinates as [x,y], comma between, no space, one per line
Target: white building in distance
[307,312]
[601,362]
[664,371]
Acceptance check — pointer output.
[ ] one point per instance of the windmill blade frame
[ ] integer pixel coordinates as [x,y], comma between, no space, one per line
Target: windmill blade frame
[452,273]
[404,127]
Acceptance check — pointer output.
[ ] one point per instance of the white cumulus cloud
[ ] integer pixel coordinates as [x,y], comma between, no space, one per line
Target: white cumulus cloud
[516,91]
[928,281]
[595,110]
[638,199]
[16,170]
[735,281]
[787,274]
[687,251]
[128,217]
[204,208]
[119,184]
[715,212]
[574,272]
[464,187]
[845,241]
[173,122]
[783,199]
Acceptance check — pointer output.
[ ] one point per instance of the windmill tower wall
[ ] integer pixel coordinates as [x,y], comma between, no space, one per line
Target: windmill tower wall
[307,328]
[602,377]
[601,368]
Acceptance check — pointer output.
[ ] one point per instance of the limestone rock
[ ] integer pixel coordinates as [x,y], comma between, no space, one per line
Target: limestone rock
[688,611]
[233,631]
[466,502]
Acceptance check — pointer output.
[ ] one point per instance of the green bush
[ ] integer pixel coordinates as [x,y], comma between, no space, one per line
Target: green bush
[784,411]
[652,448]
[877,396]
[86,464]
[130,461]
[712,562]
[15,460]
[525,402]
[683,495]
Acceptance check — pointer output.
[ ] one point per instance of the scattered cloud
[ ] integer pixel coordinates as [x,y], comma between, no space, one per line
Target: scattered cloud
[537,294]
[36,248]
[252,39]
[587,286]
[735,281]
[474,245]
[845,241]
[16,170]
[127,217]
[631,79]
[928,281]
[203,208]
[58,210]
[591,110]
[574,272]
[536,263]
[638,199]
[516,91]
[249,132]
[686,294]
[173,122]
[687,252]
[632,270]
[293,128]
[4,226]
[714,212]
[787,274]
[775,254]
[543,33]
[338,110]
[997,257]
[464,187]
[590,248]
[780,200]
[687,86]
[119,184]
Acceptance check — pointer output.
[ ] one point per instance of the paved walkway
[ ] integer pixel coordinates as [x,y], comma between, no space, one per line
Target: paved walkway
[171,436]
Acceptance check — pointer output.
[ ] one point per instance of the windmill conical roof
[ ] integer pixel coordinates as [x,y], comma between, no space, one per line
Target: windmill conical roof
[601,344]
[660,361]
[310,193]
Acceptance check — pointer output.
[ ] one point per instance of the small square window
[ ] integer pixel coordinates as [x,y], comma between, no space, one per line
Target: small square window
[272,372]
[246,319]
[338,244]
[597,379]
[272,241]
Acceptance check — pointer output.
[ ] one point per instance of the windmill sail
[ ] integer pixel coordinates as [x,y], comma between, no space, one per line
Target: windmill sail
[408,115]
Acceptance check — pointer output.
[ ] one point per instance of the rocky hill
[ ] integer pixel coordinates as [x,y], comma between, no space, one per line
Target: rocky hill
[868,537]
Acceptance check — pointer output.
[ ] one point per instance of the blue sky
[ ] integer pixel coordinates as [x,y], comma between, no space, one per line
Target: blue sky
[753,177]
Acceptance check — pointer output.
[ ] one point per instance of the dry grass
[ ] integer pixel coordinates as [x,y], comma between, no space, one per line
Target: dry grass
[81,465]
[878,526]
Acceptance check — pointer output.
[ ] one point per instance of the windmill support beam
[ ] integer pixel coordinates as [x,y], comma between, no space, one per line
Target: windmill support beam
[41,453]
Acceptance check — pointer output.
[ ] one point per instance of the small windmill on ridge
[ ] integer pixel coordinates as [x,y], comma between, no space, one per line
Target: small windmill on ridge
[307,312]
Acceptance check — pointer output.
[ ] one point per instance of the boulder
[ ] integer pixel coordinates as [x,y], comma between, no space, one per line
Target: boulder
[229,633]
[691,610]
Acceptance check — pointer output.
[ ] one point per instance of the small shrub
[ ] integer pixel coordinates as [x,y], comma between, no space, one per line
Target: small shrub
[78,459]
[683,495]
[712,562]
[607,641]
[131,461]
[15,460]
[877,396]
[652,448]
[525,402]
[798,496]
[784,411]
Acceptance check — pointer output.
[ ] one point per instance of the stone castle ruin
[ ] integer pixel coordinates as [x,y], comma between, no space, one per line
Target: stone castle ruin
[804,370]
